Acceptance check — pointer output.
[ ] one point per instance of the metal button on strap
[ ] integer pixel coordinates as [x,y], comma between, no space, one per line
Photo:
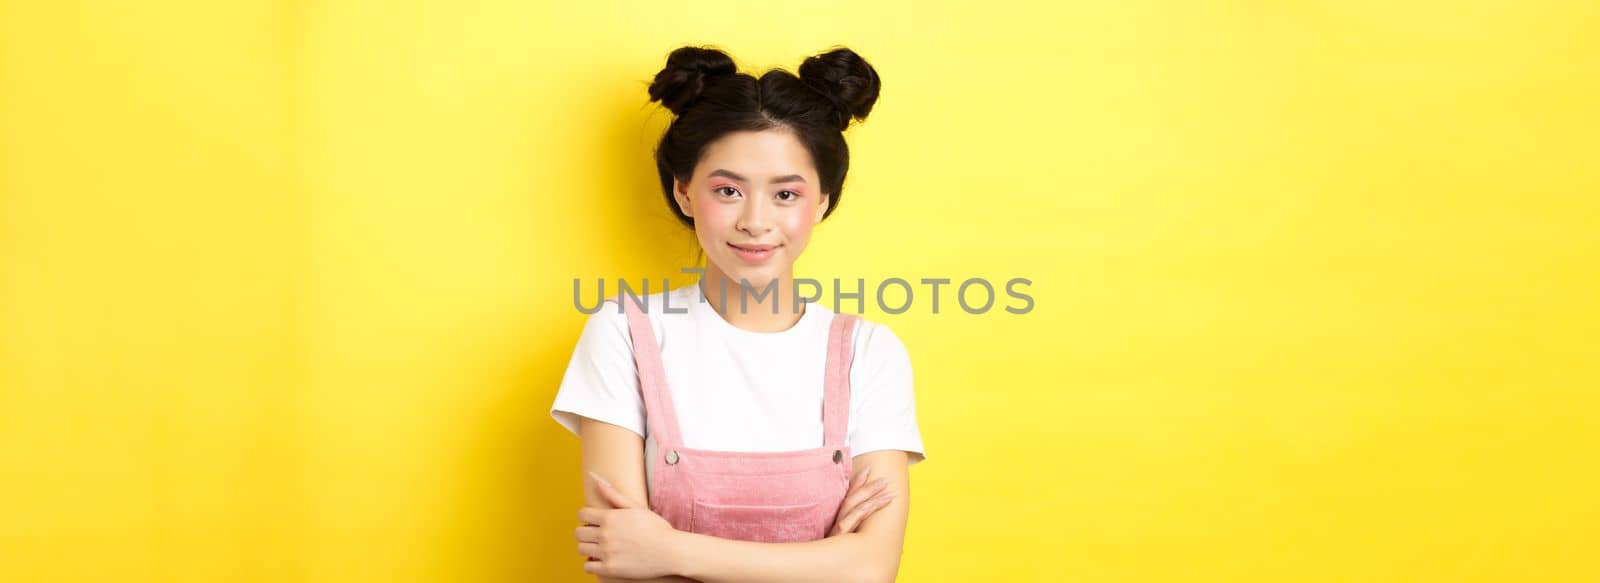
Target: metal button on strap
[838,456]
[672,457]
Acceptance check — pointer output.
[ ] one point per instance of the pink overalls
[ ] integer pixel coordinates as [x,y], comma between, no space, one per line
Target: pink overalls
[787,496]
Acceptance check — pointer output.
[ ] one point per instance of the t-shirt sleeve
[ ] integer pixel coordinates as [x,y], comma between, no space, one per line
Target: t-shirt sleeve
[885,415]
[602,381]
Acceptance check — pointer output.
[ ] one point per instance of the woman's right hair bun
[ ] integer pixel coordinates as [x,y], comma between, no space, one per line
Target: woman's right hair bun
[844,78]
[688,71]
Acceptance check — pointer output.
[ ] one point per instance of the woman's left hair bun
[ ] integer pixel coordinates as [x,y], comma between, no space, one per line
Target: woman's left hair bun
[846,79]
[688,72]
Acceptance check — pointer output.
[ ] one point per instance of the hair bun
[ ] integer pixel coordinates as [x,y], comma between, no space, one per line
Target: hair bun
[844,78]
[688,71]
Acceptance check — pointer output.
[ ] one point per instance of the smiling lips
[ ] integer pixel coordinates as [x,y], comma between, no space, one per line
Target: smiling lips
[753,254]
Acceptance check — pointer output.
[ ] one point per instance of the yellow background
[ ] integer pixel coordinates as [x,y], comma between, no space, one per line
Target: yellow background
[285,287]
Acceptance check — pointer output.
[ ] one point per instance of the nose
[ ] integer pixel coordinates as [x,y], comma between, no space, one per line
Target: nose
[754,218]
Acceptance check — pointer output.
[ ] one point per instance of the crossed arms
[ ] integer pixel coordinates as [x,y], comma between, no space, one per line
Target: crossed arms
[628,543]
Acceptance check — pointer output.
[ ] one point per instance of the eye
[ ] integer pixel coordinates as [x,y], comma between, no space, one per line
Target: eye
[719,190]
[792,195]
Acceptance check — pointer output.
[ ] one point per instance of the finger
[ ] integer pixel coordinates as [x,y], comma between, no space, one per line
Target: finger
[861,512]
[588,534]
[847,508]
[611,494]
[851,499]
[847,520]
[852,520]
[846,523]
[591,515]
[867,509]
[589,550]
[861,478]
[854,502]
[865,491]
[860,482]
[599,568]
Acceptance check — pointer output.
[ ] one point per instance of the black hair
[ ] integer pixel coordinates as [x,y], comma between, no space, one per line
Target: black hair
[710,98]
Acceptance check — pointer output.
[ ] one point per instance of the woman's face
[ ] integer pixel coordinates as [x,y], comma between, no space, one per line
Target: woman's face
[754,198]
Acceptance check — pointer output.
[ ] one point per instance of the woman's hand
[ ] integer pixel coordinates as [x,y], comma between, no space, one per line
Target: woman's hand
[628,542]
[863,499]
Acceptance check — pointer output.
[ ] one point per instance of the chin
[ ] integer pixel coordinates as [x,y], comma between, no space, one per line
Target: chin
[756,274]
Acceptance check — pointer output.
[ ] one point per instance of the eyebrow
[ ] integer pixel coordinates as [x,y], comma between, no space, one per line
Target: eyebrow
[778,180]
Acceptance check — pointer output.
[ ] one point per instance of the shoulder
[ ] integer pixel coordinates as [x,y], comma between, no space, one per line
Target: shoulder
[661,309]
[607,325]
[876,346]
[872,342]
[611,323]
[605,344]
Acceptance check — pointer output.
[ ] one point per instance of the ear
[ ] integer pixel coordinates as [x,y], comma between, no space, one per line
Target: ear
[680,193]
[822,208]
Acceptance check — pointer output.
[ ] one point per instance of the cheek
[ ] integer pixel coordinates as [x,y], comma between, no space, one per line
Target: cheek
[797,225]
[713,214]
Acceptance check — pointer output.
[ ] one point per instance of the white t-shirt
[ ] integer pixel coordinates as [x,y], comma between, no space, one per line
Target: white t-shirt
[738,390]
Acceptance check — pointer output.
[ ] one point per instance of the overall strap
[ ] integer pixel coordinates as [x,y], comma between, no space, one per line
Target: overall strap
[836,380]
[661,419]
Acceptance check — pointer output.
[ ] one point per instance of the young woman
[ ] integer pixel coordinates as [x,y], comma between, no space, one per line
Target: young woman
[738,436]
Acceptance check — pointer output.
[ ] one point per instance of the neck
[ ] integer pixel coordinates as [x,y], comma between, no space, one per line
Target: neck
[755,309]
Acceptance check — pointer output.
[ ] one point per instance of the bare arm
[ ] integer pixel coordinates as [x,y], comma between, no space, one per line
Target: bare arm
[870,554]
[618,455]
